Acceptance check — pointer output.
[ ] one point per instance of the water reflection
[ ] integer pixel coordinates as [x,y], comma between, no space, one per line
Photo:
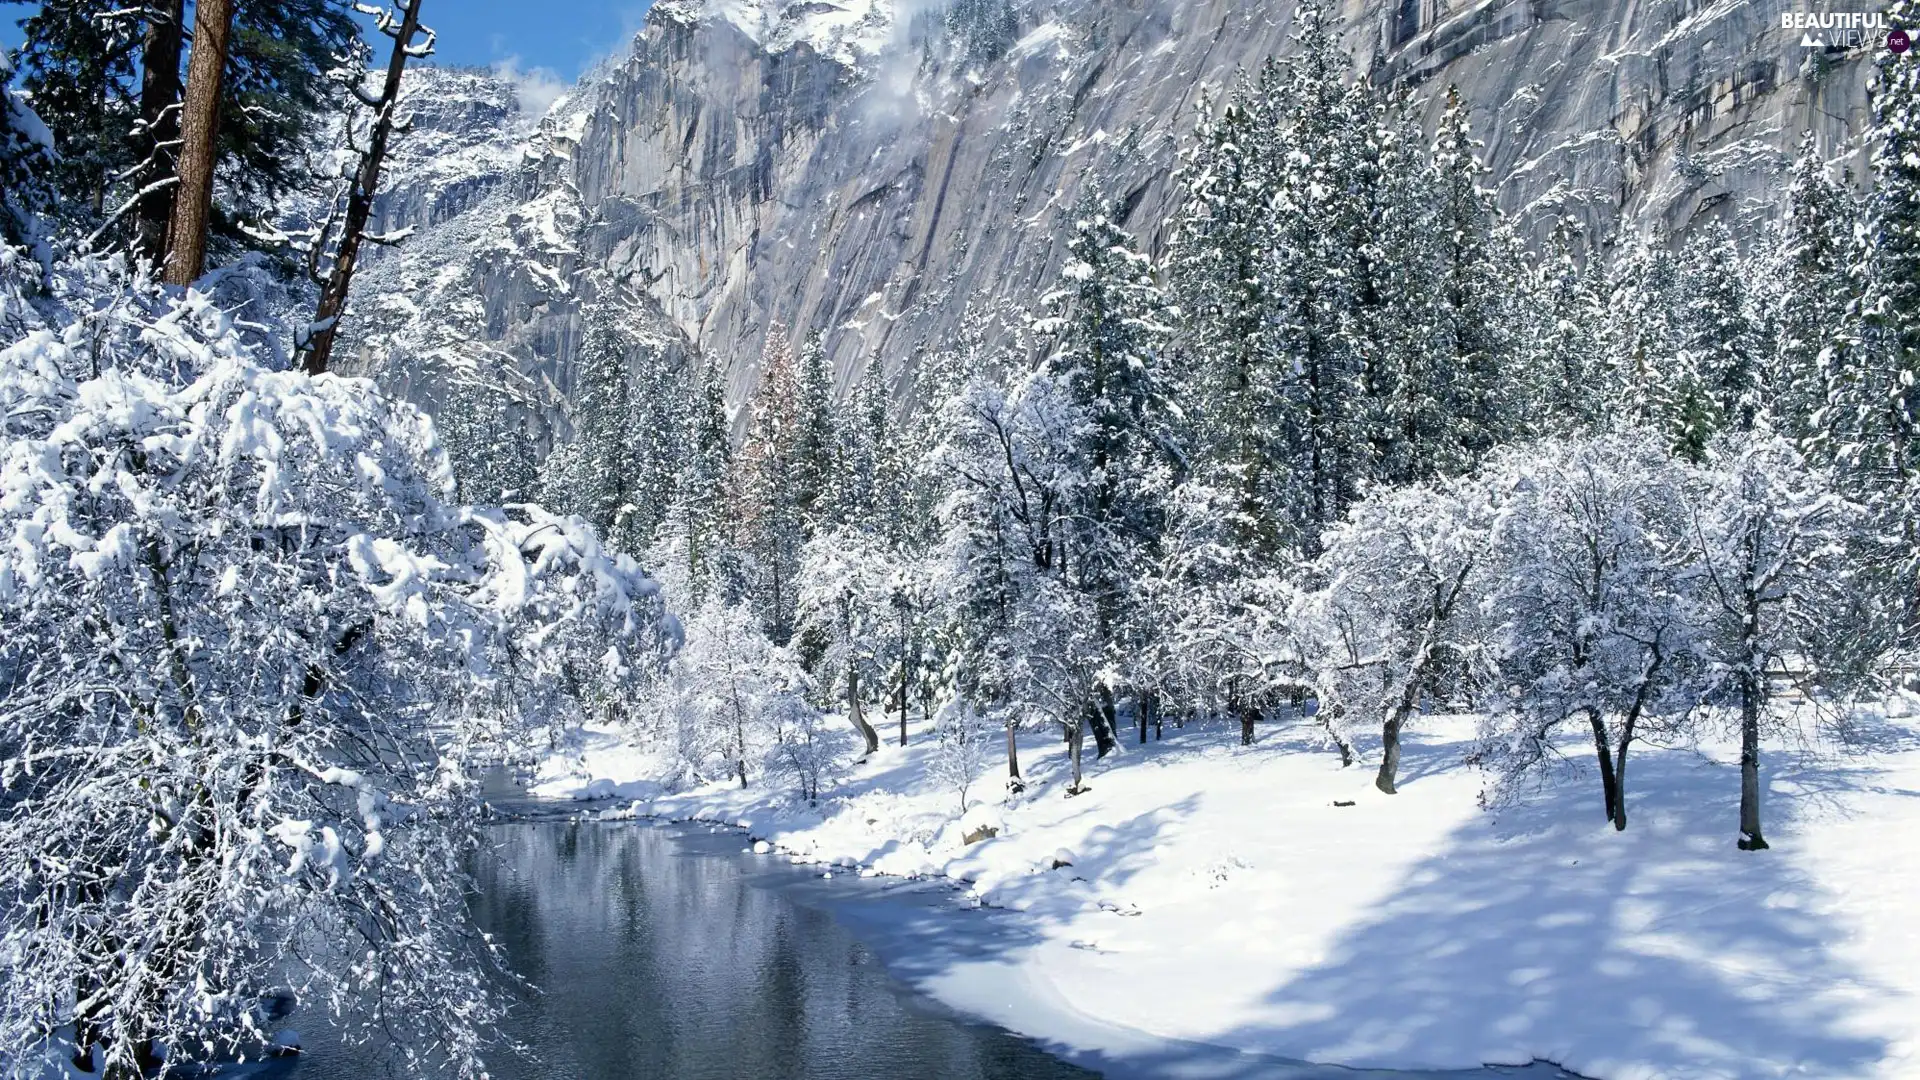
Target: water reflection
[660,961]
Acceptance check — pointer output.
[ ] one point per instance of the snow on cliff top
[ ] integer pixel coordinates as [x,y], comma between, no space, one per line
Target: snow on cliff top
[841,30]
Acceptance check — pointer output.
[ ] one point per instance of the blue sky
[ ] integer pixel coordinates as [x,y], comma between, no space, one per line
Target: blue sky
[562,37]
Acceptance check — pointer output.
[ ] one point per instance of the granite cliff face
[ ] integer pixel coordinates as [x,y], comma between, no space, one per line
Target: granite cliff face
[868,168]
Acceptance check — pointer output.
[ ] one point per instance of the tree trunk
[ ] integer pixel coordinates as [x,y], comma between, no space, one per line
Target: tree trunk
[1390,750]
[903,706]
[1330,723]
[1609,785]
[1076,741]
[1105,739]
[1750,838]
[1013,759]
[199,124]
[1620,782]
[859,717]
[319,337]
[1249,715]
[160,116]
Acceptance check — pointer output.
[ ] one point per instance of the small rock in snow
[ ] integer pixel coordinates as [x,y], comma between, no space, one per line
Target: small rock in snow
[761,847]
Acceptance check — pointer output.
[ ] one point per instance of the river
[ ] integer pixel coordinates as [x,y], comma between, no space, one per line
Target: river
[664,952]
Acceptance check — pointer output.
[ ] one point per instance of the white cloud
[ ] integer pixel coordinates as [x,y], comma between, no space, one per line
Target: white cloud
[536,87]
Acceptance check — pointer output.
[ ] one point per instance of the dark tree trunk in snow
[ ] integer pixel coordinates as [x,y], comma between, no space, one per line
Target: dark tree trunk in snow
[160,121]
[1249,716]
[859,717]
[1076,741]
[1390,750]
[199,124]
[903,707]
[366,181]
[1013,759]
[1609,785]
[1100,717]
[1750,698]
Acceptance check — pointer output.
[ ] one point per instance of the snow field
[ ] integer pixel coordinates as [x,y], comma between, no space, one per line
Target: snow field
[1216,894]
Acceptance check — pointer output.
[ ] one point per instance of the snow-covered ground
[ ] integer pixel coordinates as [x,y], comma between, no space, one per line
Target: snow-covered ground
[1218,894]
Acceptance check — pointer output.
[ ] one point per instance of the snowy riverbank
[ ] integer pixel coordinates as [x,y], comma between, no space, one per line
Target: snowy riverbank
[1217,894]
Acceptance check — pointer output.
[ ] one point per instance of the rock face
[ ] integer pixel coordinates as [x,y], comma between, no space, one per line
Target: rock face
[869,168]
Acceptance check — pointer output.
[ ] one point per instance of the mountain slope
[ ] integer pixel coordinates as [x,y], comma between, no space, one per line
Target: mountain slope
[869,168]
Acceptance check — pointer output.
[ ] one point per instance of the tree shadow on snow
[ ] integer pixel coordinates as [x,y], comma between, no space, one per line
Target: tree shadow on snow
[1538,931]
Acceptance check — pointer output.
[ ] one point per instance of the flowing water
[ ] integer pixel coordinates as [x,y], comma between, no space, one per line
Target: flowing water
[666,953]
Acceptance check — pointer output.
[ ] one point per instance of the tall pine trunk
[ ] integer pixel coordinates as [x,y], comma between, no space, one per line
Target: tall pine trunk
[160,51]
[199,126]
[1013,758]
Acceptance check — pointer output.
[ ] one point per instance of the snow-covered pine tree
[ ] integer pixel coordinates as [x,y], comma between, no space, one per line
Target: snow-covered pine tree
[1722,346]
[1807,287]
[771,520]
[107,79]
[1215,271]
[1563,358]
[1473,319]
[1322,453]
[1873,398]
[594,474]
[1108,329]
[483,429]
[26,148]
[816,448]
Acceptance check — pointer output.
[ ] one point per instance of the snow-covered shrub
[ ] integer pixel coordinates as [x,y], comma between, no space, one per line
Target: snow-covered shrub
[804,751]
[247,649]
[734,704]
[962,750]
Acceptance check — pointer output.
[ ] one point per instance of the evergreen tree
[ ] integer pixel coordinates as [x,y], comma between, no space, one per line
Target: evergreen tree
[1471,315]
[771,517]
[77,59]
[1324,453]
[106,78]
[484,432]
[25,162]
[816,446]
[1563,355]
[1810,288]
[594,475]
[1231,381]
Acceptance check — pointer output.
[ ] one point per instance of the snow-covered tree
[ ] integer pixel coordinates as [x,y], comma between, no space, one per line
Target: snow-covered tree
[740,697]
[1394,625]
[1585,595]
[248,649]
[845,611]
[962,749]
[769,509]
[1769,540]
